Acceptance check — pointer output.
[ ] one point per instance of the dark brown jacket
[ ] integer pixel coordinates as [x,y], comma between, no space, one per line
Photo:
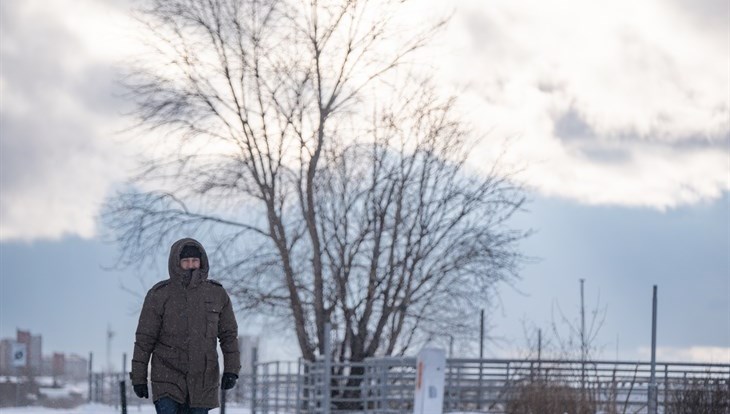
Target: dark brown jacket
[178,327]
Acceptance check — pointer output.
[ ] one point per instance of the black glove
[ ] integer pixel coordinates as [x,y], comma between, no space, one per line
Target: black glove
[141,391]
[229,381]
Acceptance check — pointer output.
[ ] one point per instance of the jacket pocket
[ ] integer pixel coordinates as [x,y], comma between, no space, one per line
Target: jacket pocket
[211,324]
[165,362]
[211,375]
[212,316]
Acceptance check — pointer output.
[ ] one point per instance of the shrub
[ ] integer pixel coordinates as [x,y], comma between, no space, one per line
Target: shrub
[549,397]
[706,396]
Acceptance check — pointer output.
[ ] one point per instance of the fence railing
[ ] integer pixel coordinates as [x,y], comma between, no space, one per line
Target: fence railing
[386,385]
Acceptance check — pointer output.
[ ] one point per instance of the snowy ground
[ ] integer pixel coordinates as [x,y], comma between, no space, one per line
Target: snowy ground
[105,409]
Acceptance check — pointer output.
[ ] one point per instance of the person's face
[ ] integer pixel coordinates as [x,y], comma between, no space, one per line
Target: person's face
[190,263]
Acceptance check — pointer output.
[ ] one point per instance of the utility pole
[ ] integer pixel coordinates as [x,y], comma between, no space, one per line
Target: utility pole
[652,380]
[582,324]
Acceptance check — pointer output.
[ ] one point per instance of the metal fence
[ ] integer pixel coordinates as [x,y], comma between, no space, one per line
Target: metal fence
[104,388]
[386,385]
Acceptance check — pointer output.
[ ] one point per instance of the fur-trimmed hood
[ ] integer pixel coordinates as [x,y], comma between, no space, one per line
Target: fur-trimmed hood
[173,265]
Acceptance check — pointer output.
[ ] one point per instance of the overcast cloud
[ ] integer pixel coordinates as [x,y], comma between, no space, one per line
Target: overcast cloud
[59,153]
[617,103]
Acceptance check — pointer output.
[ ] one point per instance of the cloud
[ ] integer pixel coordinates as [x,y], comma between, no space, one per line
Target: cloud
[703,354]
[59,153]
[618,103]
[611,103]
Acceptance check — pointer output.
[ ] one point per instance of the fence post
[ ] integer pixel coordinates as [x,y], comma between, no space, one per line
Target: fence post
[299,398]
[666,384]
[507,374]
[123,385]
[365,387]
[481,359]
[123,396]
[326,398]
[254,379]
[276,388]
[91,356]
[429,394]
[223,401]
[383,386]
[265,387]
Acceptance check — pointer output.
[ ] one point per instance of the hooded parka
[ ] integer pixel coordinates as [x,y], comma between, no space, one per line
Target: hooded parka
[178,327]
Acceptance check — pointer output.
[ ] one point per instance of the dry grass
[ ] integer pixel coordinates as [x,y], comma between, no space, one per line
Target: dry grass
[699,397]
[706,396]
[548,397]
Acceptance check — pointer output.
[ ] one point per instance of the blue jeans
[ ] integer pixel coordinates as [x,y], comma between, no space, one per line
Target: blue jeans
[167,405]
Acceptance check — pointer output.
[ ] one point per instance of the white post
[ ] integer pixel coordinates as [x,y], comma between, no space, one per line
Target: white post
[430,377]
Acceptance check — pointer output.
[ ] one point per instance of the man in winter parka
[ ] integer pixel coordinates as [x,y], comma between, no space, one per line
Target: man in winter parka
[180,321]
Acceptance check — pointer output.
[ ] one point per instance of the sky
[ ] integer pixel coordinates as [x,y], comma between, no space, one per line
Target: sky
[619,113]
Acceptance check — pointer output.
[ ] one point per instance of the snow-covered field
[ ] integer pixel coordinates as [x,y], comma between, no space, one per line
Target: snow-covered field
[105,409]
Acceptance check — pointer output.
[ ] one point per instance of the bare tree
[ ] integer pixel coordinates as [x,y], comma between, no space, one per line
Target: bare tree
[578,340]
[330,175]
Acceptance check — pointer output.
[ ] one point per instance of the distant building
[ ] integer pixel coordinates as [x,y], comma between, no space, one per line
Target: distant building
[35,356]
[5,357]
[59,365]
[67,367]
[47,366]
[76,368]
[247,344]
